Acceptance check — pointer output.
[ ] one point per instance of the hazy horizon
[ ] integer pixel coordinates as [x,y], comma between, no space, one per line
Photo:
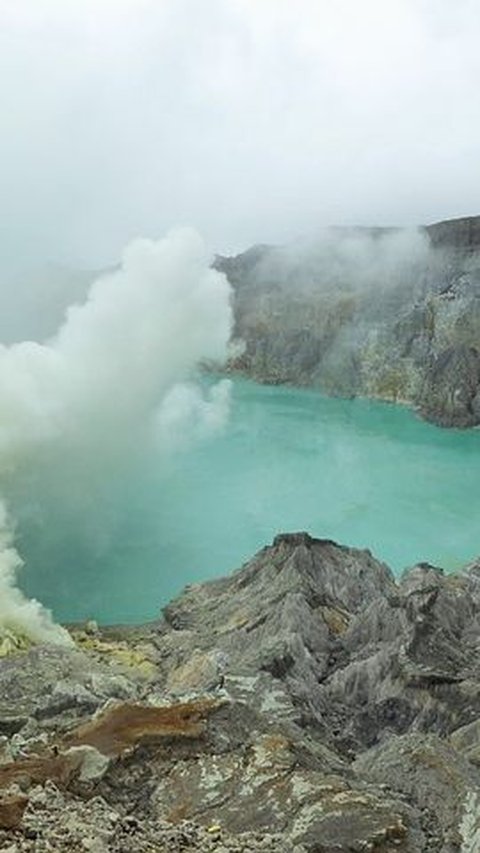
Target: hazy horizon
[252,122]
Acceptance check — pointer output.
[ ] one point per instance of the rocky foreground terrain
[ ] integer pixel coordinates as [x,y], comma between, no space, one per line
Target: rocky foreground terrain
[308,703]
[378,312]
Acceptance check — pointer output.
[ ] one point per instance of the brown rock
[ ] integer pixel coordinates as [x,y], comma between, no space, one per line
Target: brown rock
[12,807]
[125,725]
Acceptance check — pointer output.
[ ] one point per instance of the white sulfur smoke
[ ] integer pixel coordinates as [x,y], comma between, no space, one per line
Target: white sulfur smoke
[18,614]
[357,260]
[186,415]
[107,382]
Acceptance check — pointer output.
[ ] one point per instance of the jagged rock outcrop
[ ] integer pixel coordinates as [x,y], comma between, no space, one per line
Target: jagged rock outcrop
[308,703]
[376,312]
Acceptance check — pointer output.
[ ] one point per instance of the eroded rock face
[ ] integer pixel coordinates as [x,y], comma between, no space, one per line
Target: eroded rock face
[373,312]
[309,699]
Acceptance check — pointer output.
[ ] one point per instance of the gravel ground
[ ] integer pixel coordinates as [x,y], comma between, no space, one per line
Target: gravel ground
[54,821]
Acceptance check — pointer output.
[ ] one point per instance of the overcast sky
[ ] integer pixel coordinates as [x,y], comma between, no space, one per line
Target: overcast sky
[252,120]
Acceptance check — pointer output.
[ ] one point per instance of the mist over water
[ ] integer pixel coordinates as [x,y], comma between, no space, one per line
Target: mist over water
[364,473]
[126,473]
[122,473]
[82,412]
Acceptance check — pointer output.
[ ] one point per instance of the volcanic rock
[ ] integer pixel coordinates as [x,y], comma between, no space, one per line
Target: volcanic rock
[380,312]
[308,703]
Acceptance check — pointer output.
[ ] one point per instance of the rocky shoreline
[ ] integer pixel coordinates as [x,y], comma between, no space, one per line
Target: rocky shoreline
[308,703]
[383,313]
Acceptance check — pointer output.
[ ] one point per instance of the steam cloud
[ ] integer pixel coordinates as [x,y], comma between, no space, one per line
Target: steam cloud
[110,381]
[348,259]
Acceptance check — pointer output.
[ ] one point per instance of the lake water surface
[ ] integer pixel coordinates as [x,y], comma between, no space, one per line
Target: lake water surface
[363,473]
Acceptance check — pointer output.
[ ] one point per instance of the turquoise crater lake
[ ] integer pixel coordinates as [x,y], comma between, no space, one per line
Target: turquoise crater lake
[363,473]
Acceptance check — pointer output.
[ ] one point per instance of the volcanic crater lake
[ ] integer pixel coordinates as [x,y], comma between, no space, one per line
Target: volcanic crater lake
[363,473]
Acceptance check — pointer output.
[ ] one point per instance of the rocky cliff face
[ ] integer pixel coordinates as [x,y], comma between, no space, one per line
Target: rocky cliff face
[378,312]
[309,702]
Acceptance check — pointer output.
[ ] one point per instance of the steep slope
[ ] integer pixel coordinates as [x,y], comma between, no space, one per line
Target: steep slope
[385,313]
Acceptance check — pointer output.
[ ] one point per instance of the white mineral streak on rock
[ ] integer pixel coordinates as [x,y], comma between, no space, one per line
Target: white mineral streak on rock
[470,824]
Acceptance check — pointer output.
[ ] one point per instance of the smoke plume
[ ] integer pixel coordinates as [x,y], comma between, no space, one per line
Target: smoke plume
[347,259]
[110,382]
